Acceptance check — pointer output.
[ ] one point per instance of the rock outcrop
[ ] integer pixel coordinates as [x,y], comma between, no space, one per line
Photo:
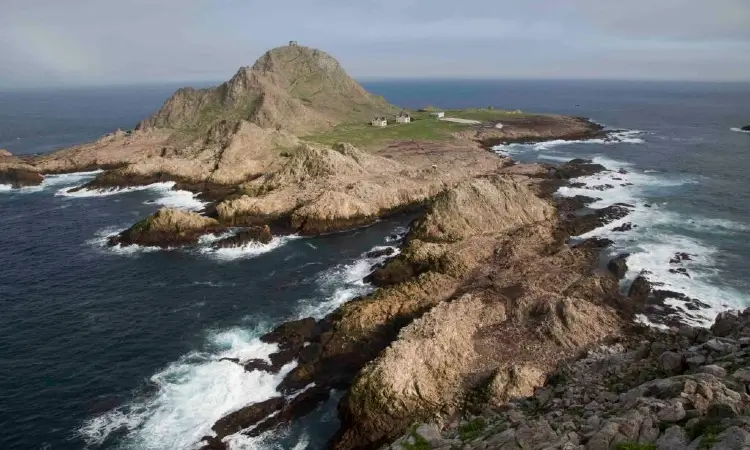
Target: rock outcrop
[235,131]
[168,228]
[528,128]
[5,153]
[292,88]
[497,271]
[683,388]
[745,128]
[322,189]
[19,175]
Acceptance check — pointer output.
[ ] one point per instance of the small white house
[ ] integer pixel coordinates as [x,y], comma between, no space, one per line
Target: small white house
[438,114]
[403,117]
[379,122]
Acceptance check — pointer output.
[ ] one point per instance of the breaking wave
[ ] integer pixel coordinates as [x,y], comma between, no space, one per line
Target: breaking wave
[249,250]
[612,138]
[189,395]
[740,130]
[658,234]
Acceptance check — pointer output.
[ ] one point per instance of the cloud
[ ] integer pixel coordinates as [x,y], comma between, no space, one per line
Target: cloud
[108,41]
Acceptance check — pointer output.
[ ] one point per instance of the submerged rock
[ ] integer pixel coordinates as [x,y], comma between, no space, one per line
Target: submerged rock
[261,234]
[168,228]
[579,225]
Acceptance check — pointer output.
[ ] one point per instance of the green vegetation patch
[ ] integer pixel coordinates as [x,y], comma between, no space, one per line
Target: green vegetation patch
[419,443]
[484,114]
[364,134]
[635,446]
[471,430]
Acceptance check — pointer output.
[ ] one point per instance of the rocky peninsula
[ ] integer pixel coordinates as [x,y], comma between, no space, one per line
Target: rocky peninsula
[487,299]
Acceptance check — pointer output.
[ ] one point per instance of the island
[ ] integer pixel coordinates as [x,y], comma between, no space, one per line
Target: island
[489,300]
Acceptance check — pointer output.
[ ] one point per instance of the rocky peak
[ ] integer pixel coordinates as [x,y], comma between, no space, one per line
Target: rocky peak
[294,88]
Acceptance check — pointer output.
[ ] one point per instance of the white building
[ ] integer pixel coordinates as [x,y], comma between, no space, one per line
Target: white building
[403,117]
[379,121]
[438,114]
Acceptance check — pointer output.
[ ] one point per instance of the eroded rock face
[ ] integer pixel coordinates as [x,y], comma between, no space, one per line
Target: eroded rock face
[322,189]
[168,228]
[19,175]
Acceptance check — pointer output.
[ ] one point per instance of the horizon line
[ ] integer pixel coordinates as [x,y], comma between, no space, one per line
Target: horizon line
[363,79]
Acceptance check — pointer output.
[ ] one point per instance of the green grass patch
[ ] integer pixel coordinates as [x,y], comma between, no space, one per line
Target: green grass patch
[364,134]
[419,443]
[635,446]
[483,114]
[471,430]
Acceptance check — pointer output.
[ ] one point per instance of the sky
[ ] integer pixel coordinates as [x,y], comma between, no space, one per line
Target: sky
[99,42]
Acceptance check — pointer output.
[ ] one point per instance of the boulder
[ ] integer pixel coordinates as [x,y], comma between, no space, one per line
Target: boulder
[672,363]
[640,289]
[619,266]
[675,438]
[745,128]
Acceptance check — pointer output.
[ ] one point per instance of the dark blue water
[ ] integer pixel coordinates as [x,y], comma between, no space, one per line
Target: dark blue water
[120,350]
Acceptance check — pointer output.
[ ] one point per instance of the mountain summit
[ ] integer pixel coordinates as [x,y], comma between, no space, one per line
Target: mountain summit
[291,88]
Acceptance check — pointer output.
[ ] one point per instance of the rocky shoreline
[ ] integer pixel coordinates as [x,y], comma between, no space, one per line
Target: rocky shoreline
[680,388]
[491,254]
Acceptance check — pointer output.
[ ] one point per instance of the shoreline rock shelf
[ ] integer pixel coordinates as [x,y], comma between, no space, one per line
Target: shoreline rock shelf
[683,388]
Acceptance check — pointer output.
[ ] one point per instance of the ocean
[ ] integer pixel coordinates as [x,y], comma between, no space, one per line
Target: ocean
[120,348]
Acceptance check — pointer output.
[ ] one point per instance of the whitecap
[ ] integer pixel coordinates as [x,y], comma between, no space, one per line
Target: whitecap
[612,138]
[83,193]
[192,394]
[69,178]
[739,130]
[343,283]
[656,237]
[249,250]
[102,236]
[180,200]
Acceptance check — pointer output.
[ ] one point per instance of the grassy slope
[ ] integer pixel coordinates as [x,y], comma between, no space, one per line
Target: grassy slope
[424,127]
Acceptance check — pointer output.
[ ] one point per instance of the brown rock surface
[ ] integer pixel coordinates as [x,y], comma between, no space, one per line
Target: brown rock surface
[323,189]
[18,174]
[235,131]
[168,228]
[536,128]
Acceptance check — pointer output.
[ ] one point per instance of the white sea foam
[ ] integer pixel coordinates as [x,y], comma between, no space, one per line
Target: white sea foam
[180,200]
[656,237]
[614,137]
[102,236]
[249,250]
[198,389]
[739,130]
[343,283]
[191,394]
[69,178]
[82,193]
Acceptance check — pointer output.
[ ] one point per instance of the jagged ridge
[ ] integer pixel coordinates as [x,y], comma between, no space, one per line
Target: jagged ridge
[298,89]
